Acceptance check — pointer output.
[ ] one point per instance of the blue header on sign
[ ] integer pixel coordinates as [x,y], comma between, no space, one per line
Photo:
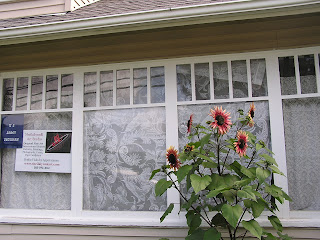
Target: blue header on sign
[12,131]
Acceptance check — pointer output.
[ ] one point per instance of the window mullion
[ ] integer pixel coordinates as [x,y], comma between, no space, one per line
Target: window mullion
[77,146]
[171,125]
[277,127]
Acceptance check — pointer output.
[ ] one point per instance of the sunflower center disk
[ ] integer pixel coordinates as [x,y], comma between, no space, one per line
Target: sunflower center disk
[172,159]
[242,143]
[220,120]
[252,114]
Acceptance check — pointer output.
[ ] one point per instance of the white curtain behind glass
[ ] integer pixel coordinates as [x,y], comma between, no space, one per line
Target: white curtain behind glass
[302,134]
[27,190]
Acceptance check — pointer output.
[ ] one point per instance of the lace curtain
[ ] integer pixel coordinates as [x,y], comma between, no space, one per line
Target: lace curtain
[28,190]
[302,132]
[121,148]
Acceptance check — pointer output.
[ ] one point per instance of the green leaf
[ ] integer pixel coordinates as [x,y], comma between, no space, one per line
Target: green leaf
[269,159]
[205,140]
[276,170]
[258,207]
[252,138]
[247,172]
[253,227]
[286,197]
[231,214]
[241,183]
[205,157]
[199,183]
[284,236]
[219,220]
[259,146]
[196,235]
[162,186]
[212,234]
[269,236]
[230,195]
[274,220]
[262,174]
[154,172]
[209,164]
[169,210]
[211,154]
[235,166]
[191,200]
[193,221]
[183,172]
[247,192]
[215,192]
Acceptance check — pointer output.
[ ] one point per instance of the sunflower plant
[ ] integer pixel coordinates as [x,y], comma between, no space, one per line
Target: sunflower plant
[225,182]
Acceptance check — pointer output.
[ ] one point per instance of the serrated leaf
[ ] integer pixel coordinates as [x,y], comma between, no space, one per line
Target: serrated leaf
[196,235]
[183,172]
[235,166]
[246,192]
[169,210]
[230,195]
[269,159]
[212,234]
[199,183]
[274,220]
[154,172]
[262,174]
[276,170]
[257,208]
[209,164]
[246,172]
[253,227]
[162,186]
[231,214]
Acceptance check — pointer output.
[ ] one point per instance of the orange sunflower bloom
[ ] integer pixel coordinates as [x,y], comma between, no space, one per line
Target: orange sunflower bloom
[251,114]
[189,124]
[241,145]
[188,148]
[221,120]
[172,157]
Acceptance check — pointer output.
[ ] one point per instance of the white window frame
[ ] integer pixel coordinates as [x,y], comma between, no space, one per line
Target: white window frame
[144,218]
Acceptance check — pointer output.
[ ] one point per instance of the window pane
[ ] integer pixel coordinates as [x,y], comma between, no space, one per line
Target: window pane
[239,79]
[30,190]
[66,90]
[308,78]
[287,76]
[221,82]
[258,77]
[121,147]
[52,92]
[184,82]
[7,94]
[22,93]
[202,79]
[123,87]
[90,88]
[106,88]
[36,93]
[302,131]
[157,85]
[139,85]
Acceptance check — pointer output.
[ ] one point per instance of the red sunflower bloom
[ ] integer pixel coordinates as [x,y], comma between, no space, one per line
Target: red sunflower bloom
[251,114]
[241,145]
[172,157]
[221,120]
[189,124]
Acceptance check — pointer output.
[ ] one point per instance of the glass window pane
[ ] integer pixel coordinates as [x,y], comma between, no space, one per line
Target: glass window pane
[106,88]
[22,93]
[90,88]
[52,92]
[302,131]
[7,94]
[258,77]
[123,87]
[239,79]
[157,81]
[184,82]
[221,82]
[121,147]
[287,76]
[66,90]
[28,190]
[36,92]
[139,85]
[308,78]
[202,80]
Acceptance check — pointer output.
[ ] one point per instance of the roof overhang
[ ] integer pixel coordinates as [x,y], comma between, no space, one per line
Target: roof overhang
[180,16]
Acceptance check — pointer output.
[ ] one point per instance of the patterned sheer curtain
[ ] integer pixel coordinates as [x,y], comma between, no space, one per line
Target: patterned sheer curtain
[302,133]
[28,190]
[121,148]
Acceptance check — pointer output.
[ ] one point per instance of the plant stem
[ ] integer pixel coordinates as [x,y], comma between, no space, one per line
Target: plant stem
[240,219]
[224,162]
[176,187]
[253,154]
